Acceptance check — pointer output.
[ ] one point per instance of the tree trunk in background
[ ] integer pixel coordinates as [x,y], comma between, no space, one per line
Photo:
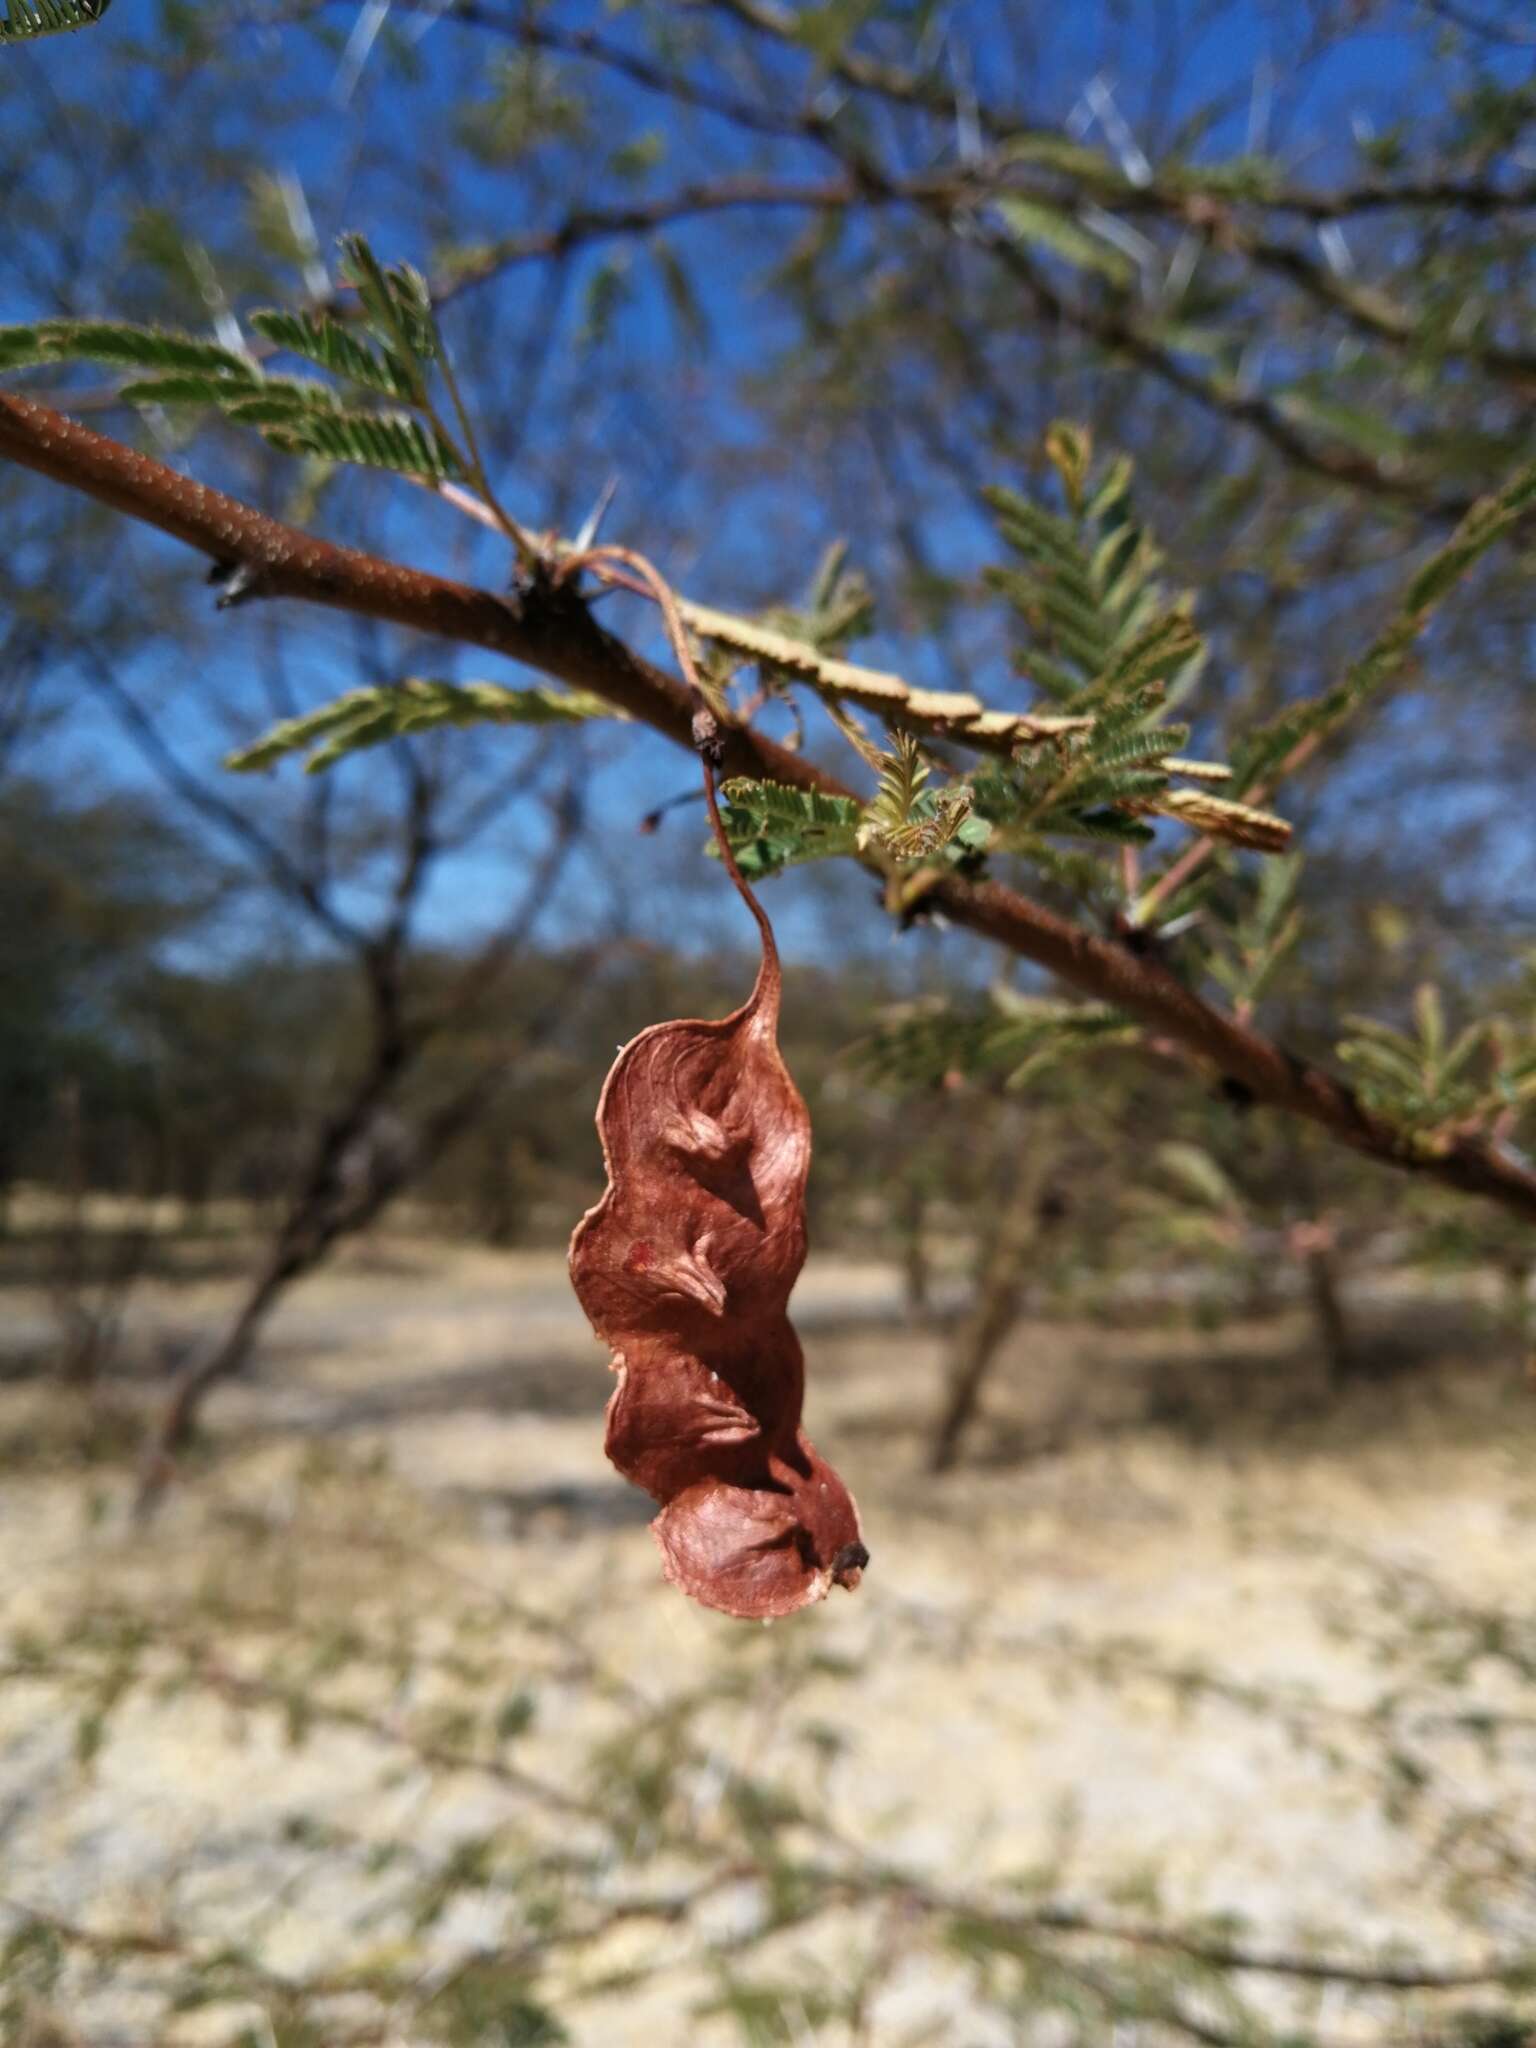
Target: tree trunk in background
[1321,1267]
[504,1189]
[316,1217]
[497,1203]
[995,1309]
[329,1205]
[915,1274]
[1518,1306]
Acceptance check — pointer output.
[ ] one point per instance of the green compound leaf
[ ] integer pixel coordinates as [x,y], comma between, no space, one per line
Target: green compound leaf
[25,20]
[108,341]
[921,1043]
[771,826]
[326,342]
[394,441]
[1316,718]
[369,717]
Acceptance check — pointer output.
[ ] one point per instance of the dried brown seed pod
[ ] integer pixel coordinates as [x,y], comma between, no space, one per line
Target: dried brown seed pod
[685,1269]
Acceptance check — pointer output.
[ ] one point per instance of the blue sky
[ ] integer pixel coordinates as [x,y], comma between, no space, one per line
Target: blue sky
[1099,70]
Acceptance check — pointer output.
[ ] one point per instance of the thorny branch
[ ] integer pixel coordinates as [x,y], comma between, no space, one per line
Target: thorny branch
[952,197]
[550,629]
[930,94]
[954,200]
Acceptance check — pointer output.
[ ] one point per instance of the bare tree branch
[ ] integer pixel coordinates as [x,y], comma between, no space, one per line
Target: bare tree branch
[932,95]
[325,1207]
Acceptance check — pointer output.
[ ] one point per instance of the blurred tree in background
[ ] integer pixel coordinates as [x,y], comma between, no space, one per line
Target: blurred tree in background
[1094,448]
[780,276]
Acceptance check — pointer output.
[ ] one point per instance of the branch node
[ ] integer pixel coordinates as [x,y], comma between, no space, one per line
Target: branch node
[707,736]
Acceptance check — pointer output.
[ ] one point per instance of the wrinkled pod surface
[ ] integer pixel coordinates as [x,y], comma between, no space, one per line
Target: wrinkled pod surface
[684,1269]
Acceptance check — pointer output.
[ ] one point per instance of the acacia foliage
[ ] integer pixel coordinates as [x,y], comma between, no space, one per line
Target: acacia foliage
[1112,652]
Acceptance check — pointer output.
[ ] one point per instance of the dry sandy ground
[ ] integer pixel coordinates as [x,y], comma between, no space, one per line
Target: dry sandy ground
[1055,1660]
